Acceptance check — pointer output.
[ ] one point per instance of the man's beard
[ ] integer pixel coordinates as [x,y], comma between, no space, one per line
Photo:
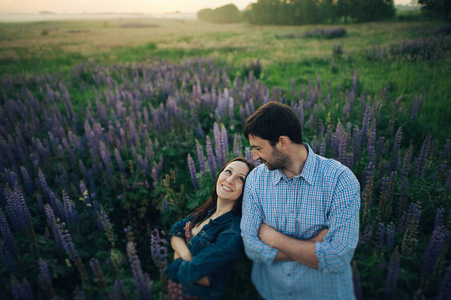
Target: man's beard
[279,160]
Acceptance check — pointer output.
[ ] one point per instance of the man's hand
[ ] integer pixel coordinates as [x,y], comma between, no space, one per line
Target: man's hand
[267,234]
[320,236]
[290,248]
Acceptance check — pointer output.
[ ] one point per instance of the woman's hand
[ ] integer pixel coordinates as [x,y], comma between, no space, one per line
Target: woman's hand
[180,248]
[320,236]
[204,281]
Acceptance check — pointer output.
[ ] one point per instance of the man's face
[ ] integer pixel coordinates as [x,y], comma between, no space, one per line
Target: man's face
[271,156]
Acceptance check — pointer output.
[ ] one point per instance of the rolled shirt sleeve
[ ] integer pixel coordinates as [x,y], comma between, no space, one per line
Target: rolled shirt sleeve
[252,217]
[335,253]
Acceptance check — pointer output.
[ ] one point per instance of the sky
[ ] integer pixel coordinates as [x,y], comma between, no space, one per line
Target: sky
[120,6]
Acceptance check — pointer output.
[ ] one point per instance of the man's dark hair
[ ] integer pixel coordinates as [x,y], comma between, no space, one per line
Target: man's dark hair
[273,120]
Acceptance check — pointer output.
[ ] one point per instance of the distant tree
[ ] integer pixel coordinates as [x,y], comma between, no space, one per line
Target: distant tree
[372,10]
[205,15]
[437,8]
[225,14]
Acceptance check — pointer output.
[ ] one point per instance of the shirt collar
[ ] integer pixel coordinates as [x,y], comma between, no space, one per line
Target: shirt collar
[221,219]
[308,171]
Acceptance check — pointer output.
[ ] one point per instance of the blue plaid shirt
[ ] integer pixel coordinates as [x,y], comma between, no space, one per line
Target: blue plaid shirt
[325,194]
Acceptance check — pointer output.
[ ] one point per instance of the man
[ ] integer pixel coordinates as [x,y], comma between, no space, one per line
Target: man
[288,200]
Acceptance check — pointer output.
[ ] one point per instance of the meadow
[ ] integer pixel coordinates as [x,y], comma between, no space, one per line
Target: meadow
[113,129]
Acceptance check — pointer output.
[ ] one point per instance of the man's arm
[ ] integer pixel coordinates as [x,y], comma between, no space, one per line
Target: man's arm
[336,252]
[290,248]
[252,217]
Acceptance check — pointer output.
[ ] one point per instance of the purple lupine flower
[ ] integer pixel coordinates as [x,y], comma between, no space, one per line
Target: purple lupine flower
[7,235]
[365,126]
[57,233]
[118,292]
[392,275]
[158,248]
[404,180]
[368,186]
[320,131]
[201,158]
[439,218]
[21,290]
[106,226]
[231,111]
[19,213]
[237,146]
[142,281]
[380,149]
[45,280]
[367,234]
[391,235]
[386,196]
[85,194]
[7,259]
[79,294]
[356,145]
[225,143]
[98,273]
[26,180]
[211,158]
[11,177]
[83,169]
[356,281]
[420,162]
[67,241]
[380,237]
[70,212]
[220,158]
[396,147]
[119,160]
[433,251]
[106,160]
[412,221]
[192,171]
[445,287]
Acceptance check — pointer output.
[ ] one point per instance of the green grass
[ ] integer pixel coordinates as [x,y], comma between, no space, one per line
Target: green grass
[24,49]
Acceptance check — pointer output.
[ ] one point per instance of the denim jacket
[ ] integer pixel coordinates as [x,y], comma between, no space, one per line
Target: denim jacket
[215,250]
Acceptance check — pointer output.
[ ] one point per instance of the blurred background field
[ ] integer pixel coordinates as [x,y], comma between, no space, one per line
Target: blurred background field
[109,128]
[283,52]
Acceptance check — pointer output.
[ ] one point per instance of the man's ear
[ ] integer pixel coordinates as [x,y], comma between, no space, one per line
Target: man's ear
[284,141]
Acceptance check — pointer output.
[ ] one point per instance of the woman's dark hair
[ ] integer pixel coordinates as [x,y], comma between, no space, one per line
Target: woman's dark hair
[201,212]
[272,121]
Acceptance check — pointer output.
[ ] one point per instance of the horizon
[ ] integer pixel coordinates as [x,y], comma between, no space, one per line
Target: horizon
[141,7]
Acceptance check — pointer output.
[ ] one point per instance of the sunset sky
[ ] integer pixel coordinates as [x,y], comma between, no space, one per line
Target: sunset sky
[116,6]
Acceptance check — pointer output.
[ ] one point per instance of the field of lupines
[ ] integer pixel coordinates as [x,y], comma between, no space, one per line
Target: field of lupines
[89,188]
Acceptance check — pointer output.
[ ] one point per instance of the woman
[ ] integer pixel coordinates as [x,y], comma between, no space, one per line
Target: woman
[207,244]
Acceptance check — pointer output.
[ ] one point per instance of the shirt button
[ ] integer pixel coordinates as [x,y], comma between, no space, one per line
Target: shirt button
[288,275]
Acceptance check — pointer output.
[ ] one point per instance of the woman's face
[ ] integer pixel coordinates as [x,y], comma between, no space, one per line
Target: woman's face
[230,182]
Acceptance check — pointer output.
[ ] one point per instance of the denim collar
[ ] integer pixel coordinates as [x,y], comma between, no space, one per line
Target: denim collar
[221,219]
[308,171]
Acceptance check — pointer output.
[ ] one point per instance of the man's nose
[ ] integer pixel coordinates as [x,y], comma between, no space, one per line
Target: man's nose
[255,155]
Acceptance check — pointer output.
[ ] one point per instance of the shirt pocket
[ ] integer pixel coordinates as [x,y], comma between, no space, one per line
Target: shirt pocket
[199,242]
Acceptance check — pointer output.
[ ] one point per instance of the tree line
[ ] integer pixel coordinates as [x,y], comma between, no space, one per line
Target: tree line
[302,12]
